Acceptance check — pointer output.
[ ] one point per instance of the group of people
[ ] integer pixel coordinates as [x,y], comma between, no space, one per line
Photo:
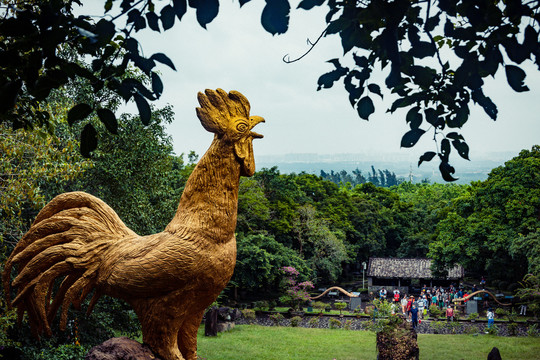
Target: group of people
[415,308]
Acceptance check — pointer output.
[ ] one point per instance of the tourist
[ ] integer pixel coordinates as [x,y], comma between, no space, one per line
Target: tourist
[404,302]
[491,317]
[382,294]
[449,313]
[396,296]
[414,317]
[523,309]
[421,307]
[409,305]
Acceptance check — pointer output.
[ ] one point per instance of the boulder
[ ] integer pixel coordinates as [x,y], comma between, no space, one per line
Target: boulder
[121,348]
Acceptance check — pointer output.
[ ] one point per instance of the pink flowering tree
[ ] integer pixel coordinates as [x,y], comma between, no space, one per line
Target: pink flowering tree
[296,293]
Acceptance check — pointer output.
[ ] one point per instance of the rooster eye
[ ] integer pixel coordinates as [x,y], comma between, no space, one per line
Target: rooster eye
[242,127]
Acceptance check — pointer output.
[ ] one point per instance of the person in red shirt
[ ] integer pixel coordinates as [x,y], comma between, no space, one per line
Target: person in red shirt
[450,313]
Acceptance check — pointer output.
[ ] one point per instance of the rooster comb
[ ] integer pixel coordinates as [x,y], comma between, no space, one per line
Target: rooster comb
[218,109]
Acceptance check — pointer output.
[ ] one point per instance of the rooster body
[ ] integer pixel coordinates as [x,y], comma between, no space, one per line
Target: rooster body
[168,278]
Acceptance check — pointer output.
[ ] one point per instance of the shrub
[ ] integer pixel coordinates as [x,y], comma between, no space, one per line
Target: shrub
[453,327]
[261,305]
[362,290]
[277,318]
[471,330]
[334,323]
[319,305]
[248,314]
[438,326]
[296,293]
[472,316]
[435,311]
[358,311]
[512,328]
[512,315]
[314,321]
[340,306]
[295,321]
[347,325]
[328,308]
[500,312]
[533,330]
[493,330]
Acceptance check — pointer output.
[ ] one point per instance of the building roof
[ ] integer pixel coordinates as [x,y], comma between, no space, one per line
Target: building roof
[407,269]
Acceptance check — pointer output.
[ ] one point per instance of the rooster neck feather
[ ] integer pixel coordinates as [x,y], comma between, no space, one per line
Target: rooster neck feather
[209,203]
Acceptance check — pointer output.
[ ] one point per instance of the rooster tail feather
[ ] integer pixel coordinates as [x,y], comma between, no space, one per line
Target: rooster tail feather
[69,238]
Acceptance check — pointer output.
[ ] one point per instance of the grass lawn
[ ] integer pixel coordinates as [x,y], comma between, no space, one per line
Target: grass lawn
[252,342]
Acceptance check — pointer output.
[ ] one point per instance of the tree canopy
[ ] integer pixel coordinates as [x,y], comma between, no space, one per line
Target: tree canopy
[435,56]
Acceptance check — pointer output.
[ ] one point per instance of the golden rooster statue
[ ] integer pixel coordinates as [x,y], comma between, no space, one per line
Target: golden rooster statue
[169,278]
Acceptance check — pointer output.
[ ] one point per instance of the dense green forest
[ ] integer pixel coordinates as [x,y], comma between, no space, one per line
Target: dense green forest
[323,229]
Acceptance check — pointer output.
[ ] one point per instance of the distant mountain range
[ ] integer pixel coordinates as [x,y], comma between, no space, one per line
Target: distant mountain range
[404,165]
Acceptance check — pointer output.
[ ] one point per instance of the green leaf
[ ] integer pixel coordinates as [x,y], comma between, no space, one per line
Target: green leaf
[309,4]
[516,77]
[327,80]
[445,149]
[180,8]
[422,49]
[411,137]
[108,119]
[275,16]
[157,84]
[365,107]
[167,17]
[164,59]
[144,109]
[432,22]
[414,118]
[354,91]
[447,171]
[108,5]
[402,102]
[462,148]
[428,156]
[376,89]
[454,135]
[78,112]
[207,10]
[489,107]
[153,21]
[105,30]
[432,117]
[88,140]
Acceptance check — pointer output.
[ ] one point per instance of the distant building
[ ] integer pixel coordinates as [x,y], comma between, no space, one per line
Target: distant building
[407,275]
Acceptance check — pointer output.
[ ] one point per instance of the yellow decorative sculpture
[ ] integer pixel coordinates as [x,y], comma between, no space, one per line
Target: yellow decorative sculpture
[168,278]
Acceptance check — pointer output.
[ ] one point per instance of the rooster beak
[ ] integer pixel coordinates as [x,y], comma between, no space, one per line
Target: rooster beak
[254,121]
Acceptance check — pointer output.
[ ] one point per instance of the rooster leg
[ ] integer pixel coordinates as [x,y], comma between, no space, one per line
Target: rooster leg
[187,336]
[160,320]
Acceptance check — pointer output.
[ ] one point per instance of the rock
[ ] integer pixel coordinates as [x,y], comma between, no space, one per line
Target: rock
[120,348]
[225,326]
[494,354]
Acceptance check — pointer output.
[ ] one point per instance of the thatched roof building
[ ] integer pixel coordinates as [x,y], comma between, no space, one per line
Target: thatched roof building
[391,268]
[403,274]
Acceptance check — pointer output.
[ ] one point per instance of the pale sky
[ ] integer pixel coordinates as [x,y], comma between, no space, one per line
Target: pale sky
[236,53]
